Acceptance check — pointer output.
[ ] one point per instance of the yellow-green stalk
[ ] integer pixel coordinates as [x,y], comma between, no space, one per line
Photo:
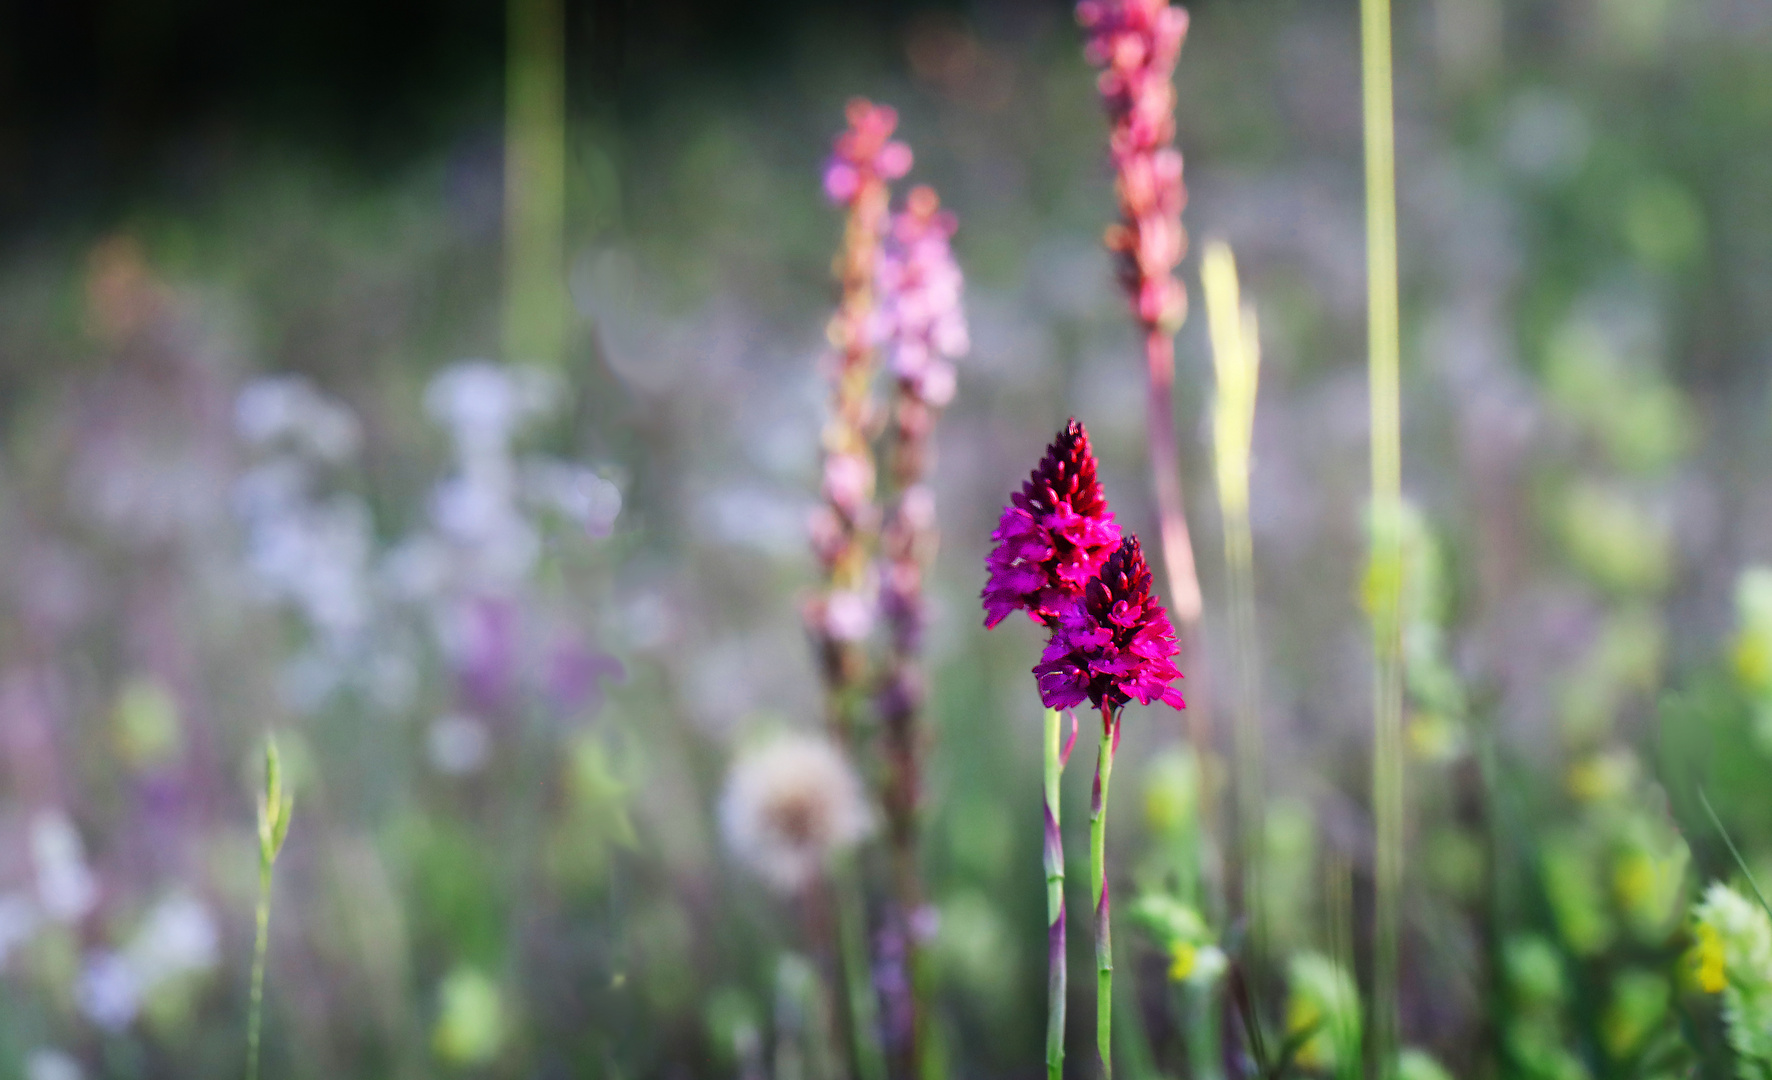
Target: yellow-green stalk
[1384,573]
[1236,363]
[274,808]
[535,182]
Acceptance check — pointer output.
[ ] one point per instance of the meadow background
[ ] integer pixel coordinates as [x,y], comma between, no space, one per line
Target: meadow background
[506,857]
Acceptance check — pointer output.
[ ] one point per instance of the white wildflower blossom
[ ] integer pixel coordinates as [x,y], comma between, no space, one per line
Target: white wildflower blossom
[108,992]
[789,806]
[177,937]
[65,885]
[46,1063]
[286,409]
[19,919]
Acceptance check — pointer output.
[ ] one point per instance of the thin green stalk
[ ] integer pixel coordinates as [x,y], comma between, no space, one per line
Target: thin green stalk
[1339,904]
[1740,862]
[261,945]
[535,182]
[274,808]
[1386,570]
[870,1058]
[1104,948]
[1056,753]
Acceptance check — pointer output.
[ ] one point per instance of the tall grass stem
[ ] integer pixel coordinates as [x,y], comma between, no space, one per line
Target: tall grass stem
[535,182]
[1385,571]
[261,945]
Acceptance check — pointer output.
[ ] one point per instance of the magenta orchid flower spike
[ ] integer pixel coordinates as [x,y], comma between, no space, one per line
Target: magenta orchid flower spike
[1115,646]
[1054,535]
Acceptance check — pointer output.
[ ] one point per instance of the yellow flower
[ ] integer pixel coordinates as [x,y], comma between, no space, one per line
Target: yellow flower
[1633,879]
[1753,661]
[1304,1015]
[1181,960]
[1705,960]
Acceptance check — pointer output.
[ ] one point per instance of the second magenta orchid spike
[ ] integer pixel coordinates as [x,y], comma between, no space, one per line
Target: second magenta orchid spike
[1116,645]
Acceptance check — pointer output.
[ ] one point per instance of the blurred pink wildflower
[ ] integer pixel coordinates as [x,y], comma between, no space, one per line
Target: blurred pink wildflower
[920,320]
[866,154]
[1136,44]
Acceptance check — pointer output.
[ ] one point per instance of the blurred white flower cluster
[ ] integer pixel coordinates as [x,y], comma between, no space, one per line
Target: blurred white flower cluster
[65,889]
[176,938]
[462,579]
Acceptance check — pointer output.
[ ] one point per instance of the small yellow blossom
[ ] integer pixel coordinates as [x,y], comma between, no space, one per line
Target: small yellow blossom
[1181,960]
[1304,1015]
[1753,661]
[1633,879]
[1706,960]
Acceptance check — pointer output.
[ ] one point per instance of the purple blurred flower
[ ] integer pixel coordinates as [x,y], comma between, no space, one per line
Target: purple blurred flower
[576,674]
[1116,645]
[485,652]
[1053,536]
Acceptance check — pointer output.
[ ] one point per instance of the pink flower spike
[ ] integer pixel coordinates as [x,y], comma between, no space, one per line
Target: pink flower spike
[920,320]
[865,154]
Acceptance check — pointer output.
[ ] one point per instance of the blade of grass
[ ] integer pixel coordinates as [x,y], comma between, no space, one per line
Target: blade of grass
[1739,861]
[1385,571]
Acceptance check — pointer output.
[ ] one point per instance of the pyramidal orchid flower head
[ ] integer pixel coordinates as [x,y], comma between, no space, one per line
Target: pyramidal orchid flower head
[1116,645]
[1054,535]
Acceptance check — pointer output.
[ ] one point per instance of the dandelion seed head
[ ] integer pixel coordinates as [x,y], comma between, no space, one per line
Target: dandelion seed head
[789,806]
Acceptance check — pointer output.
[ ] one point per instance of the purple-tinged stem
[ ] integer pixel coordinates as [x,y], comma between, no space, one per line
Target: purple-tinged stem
[1058,752]
[1104,948]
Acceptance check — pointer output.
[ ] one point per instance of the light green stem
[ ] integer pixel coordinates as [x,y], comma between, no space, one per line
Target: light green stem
[1104,948]
[1384,343]
[870,1058]
[1252,829]
[255,1014]
[1055,935]
[535,182]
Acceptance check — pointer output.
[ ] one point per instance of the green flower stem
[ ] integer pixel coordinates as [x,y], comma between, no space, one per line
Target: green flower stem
[256,1011]
[274,809]
[870,1058]
[1056,753]
[1104,948]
